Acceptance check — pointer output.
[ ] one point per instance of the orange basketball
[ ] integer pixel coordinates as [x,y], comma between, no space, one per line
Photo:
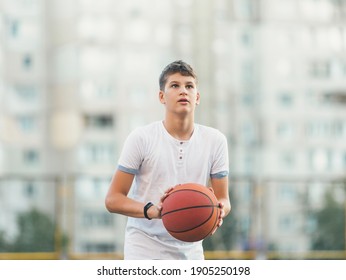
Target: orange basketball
[190,212]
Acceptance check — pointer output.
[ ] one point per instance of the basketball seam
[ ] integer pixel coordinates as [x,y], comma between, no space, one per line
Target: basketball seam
[190,207]
[211,229]
[205,236]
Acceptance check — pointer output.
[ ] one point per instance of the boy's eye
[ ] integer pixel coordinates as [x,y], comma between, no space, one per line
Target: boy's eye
[177,86]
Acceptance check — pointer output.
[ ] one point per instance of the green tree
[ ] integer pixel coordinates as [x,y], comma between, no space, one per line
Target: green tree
[3,244]
[225,237]
[330,225]
[36,233]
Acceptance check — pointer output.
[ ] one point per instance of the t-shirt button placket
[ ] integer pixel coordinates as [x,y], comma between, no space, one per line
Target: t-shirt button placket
[181,151]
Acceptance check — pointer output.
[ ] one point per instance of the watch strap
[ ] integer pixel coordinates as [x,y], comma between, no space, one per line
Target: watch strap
[146,208]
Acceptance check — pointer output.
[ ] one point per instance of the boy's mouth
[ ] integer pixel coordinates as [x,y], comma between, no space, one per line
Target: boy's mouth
[183,100]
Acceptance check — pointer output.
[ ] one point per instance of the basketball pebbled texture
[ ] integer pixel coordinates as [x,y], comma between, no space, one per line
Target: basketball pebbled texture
[190,212]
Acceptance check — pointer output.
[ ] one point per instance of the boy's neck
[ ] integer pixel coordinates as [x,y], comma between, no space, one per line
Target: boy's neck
[179,128]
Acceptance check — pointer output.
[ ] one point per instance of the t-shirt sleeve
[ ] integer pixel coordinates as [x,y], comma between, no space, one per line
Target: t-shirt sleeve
[131,156]
[220,166]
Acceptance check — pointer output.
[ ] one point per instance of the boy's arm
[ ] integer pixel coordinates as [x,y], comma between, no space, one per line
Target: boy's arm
[117,201]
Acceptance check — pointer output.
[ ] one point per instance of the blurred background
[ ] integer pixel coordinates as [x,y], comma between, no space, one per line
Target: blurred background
[76,76]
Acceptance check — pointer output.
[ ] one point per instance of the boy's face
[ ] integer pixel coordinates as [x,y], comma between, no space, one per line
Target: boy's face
[180,94]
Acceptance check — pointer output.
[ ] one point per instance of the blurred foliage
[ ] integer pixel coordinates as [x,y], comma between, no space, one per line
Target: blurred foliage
[36,233]
[225,237]
[3,243]
[329,233]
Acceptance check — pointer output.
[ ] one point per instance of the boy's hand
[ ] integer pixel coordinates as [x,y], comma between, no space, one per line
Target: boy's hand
[222,214]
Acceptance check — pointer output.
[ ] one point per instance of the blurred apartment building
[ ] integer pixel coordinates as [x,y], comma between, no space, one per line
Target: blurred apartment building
[77,76]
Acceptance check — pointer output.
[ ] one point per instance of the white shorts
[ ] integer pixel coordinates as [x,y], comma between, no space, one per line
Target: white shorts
[140,246]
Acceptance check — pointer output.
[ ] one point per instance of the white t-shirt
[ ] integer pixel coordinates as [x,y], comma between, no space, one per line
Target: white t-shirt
[159,161]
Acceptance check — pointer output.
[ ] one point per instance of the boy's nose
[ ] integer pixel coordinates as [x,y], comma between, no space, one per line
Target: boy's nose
[183,90]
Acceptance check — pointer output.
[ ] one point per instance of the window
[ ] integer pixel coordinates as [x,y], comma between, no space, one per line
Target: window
[286,223]
[334,129]
[247,38]
[100,187]
[13,27]
[248,164]
[95,91]
[31,157]
[27,62]
[317,129]
[104,91]
[27,93]
[248,99]
[246,192]
[285,99]
[246,9]
[319,69]
[97,219]
[97,153]
[338,128]
[249,133]
[27,123]
[91,188]
[287,192]
[335,98]
[30,190]
[99,121]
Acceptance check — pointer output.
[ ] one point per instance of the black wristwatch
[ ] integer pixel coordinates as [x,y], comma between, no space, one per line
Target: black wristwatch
[146,208]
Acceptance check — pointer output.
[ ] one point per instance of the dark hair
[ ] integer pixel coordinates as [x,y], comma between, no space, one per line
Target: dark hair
[177,66]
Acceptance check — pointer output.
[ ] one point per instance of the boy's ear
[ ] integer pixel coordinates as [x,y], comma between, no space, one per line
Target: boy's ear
[162,97]
[198,98]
